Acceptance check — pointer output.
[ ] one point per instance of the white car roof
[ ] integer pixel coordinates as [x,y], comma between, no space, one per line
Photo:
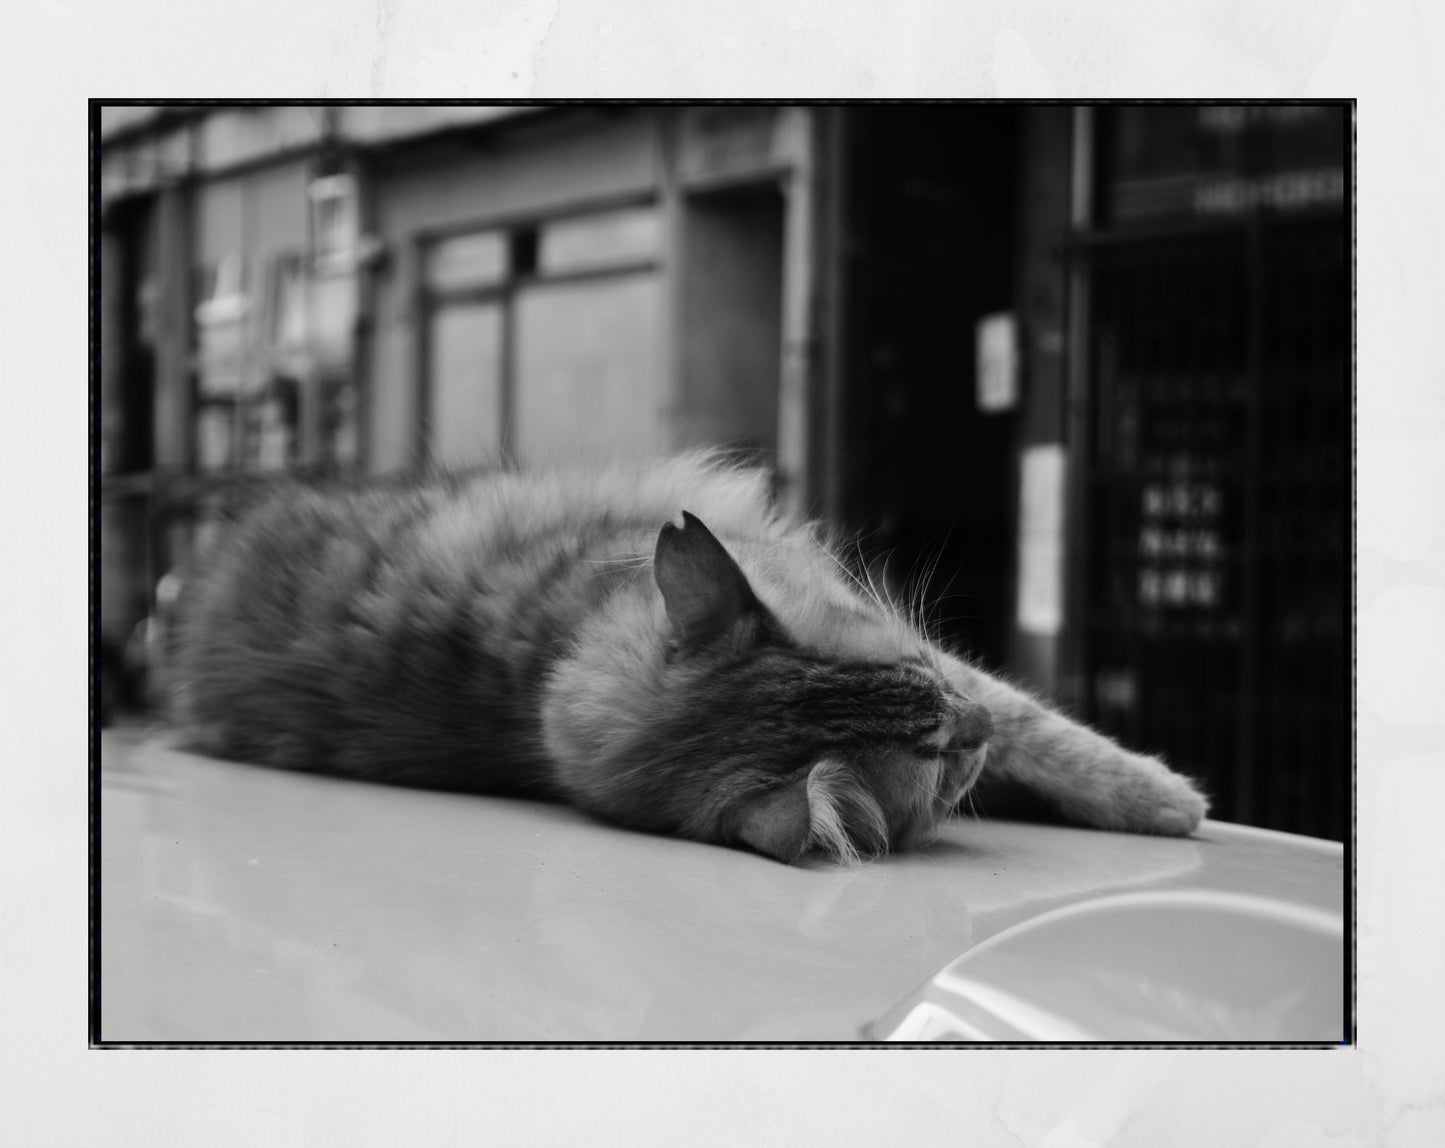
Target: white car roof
[247,904]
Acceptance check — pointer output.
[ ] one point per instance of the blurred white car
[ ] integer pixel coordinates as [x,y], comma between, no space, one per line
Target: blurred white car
[242,904]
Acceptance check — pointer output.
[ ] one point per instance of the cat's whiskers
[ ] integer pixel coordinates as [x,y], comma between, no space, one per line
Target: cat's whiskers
[864,583]
[638,562]
[919,601]
[915,602]
[880,596]
[769,551]
[934,791]
[968,801]
[847,572]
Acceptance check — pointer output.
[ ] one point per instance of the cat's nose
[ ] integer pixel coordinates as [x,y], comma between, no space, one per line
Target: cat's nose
[969,726]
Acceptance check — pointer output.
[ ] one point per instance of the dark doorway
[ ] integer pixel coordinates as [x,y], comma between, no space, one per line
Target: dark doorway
[128,332]
[930,247]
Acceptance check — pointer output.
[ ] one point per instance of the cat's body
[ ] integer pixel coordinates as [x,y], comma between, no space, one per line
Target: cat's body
[534,633]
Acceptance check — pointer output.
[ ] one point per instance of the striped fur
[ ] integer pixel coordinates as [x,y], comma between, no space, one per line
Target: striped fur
[726,679]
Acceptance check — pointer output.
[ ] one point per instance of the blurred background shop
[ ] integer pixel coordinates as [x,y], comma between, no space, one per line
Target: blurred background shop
[1081,373]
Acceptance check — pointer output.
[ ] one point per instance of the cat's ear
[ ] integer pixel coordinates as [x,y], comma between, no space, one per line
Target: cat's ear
[704,590]
[778,822]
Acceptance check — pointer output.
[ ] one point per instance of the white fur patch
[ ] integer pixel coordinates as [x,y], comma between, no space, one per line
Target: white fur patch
[833,792]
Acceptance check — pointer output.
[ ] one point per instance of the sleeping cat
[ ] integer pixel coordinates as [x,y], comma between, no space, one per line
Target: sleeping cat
[724,678]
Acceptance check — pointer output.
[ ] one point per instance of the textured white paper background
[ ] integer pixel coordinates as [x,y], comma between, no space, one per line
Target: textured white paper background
[1389,53]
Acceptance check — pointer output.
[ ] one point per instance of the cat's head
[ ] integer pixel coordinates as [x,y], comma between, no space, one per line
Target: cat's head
[789,736]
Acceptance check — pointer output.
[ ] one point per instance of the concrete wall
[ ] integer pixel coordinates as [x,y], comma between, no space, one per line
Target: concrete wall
[730,319]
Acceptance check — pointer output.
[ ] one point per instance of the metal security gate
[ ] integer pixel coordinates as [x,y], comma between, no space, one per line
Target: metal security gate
[1215,621]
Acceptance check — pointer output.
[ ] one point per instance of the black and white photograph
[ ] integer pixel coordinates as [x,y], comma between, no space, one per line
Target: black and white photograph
[784,573]
[658,573]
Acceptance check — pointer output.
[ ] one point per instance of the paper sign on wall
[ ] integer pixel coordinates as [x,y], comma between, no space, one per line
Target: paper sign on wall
[997,357]
[1041,540]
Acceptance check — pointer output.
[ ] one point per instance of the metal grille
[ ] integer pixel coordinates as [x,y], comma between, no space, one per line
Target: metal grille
[1215,513]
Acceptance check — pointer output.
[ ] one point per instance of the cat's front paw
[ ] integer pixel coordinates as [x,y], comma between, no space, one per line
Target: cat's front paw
[1154,799]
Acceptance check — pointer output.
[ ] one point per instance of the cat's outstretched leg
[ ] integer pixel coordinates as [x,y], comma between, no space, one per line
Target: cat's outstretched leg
[1081,775]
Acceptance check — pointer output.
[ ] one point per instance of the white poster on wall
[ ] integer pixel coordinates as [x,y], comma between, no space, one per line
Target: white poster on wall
[996,352]
[1041,539]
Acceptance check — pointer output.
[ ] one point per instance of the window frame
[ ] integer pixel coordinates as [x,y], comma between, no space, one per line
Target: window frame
[429,300]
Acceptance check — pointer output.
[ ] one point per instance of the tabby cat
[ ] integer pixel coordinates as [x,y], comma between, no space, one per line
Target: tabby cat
[726,679]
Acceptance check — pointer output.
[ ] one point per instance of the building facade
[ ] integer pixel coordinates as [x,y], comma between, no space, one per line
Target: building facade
[1079,376]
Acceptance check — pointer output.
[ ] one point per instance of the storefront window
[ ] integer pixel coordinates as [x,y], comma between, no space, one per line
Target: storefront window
[1178,161]
[1216,502]
[264,355]
[335,222]
[525,357]
[588,380]
[466,261]
[606,239]
[466,368]
[221,334]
